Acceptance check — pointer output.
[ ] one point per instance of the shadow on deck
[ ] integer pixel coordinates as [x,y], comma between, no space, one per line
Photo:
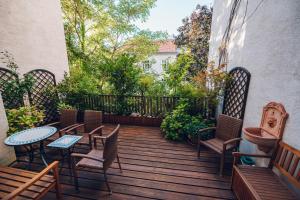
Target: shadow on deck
[153,168]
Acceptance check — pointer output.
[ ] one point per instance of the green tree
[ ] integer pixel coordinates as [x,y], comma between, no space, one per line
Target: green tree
[194,35]
[123,76]
[176,72]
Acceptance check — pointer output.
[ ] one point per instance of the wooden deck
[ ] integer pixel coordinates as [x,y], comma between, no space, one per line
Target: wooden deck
[153,168]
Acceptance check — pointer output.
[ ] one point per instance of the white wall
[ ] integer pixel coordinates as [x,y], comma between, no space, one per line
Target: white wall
[158,58]
[7,154]
[268,45]
[32,30]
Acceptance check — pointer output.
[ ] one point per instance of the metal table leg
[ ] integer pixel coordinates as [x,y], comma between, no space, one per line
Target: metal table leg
[42,153]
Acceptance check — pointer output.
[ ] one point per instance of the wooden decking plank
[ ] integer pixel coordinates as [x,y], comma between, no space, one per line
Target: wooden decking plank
[153,168]
[154,184]
[133,190]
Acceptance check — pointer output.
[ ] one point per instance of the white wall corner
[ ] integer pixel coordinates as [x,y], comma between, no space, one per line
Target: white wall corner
[7,154]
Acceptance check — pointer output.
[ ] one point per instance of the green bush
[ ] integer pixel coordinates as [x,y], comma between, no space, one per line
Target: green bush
[63,106]
[23,118]
[179,124]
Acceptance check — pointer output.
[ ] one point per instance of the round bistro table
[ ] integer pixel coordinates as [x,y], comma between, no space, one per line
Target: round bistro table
[28,137]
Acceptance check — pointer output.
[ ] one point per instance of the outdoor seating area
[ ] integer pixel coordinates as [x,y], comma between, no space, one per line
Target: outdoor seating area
[152,167]
[149,99]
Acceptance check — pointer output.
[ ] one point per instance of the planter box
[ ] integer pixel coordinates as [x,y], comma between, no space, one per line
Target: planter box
[132,120]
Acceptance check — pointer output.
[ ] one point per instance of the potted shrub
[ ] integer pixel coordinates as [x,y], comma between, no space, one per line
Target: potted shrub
[23,118]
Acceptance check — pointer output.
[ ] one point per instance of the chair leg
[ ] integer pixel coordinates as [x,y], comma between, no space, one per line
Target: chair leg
[106,182]
[198,149]
[222,163]
[118,159]
[75,174]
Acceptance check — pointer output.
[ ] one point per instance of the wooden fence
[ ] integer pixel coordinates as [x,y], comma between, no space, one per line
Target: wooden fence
[140,105]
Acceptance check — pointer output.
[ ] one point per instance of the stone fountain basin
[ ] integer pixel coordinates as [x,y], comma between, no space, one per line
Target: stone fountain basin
[260,137]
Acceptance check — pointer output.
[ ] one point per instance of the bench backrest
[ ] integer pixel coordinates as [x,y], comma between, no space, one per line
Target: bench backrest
[287,162]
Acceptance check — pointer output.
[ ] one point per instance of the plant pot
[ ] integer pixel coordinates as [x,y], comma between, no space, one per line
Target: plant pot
[132,120]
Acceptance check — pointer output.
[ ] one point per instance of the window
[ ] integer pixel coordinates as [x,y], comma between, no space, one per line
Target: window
[165,62]
[146,65]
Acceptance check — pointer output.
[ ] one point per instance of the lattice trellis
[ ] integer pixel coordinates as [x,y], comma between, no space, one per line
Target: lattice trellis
[236,92]
[7,76]
[43,81]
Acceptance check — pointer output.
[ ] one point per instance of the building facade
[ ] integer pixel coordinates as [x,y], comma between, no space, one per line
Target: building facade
[33,33]
[166,54]
[265,39]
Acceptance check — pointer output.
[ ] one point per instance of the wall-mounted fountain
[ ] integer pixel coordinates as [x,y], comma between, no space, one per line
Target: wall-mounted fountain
[271,128]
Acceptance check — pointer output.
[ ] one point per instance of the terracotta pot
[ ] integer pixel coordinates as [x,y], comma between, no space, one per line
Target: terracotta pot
[132,120]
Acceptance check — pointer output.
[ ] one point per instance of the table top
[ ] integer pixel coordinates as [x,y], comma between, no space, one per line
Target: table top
[65,141]
[30,136]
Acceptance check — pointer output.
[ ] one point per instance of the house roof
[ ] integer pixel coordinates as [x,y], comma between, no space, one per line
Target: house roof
[167,46]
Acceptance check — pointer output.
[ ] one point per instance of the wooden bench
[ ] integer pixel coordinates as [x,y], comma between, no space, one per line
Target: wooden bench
[22,184]
[250,182]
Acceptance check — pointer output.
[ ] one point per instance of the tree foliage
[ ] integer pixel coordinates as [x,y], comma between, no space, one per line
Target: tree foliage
[194,35]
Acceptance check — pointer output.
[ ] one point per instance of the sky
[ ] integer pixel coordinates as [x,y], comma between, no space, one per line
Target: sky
[168,14]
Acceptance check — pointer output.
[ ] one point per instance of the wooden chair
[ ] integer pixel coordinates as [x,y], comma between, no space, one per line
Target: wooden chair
[226,137]
[92,125]
[22,184]
[98,159]
[68,119]
[261,183]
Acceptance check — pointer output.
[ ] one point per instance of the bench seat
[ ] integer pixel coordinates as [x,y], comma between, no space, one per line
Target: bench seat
[264,183]
[23,184]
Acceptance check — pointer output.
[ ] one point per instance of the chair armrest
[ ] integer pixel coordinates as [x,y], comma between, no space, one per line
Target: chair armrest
[68,127]
[95,130]
[80,155]
[99,137]
[206,129]
[53,124]
[231,141]
[53,166]
[239,154]
[73,127]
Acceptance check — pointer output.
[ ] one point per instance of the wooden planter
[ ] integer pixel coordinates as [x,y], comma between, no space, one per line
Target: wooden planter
[132,120]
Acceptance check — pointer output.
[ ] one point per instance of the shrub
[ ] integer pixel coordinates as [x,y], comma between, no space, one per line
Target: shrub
[179,124]
[23,118]
[63,106]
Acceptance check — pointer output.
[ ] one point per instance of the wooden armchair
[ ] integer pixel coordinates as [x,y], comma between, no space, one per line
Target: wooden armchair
[68,119]
[98,159]
[22,184]
[92,125]
[226,137]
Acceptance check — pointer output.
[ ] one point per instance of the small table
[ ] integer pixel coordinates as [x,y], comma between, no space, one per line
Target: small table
[65,142]
[30,136]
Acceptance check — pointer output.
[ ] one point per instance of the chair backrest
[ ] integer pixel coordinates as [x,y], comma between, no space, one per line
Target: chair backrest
[92,120]
[68,117]
[287,162]
[111,148]
[228,127]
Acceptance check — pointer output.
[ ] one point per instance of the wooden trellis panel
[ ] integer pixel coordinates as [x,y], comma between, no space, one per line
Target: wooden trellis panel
[236,92]
[43,80]
[9,101]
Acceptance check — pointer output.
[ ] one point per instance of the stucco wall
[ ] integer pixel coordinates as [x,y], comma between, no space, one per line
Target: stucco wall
[158,58]
[7,154]
[32,31]
[268,45]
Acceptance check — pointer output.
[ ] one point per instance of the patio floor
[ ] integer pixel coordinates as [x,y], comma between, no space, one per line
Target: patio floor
[153,168]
